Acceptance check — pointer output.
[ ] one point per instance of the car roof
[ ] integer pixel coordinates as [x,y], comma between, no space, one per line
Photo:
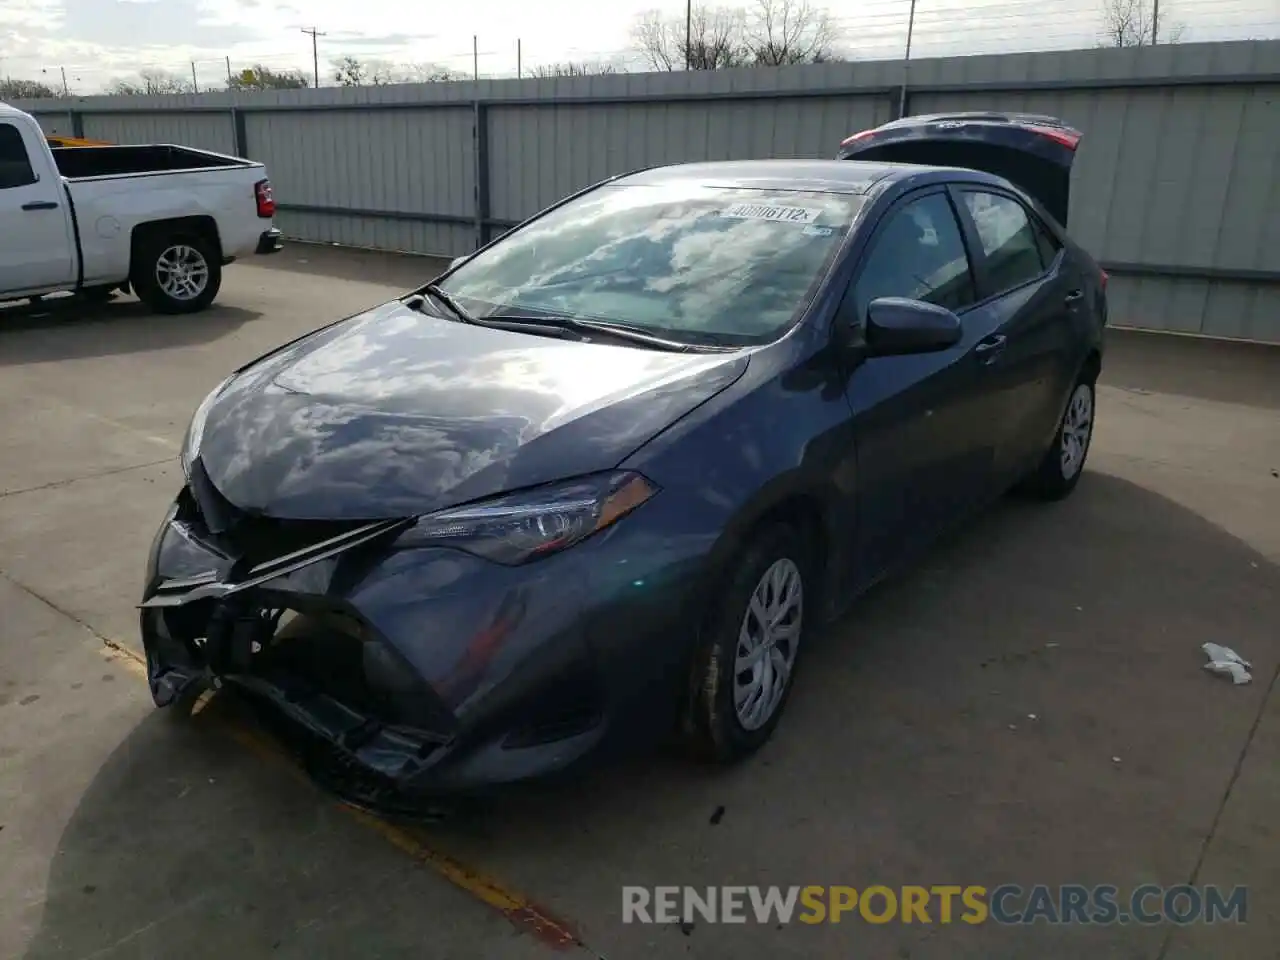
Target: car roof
[820,176]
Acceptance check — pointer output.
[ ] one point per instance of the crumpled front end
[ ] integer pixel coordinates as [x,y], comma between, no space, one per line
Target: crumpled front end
[395,673]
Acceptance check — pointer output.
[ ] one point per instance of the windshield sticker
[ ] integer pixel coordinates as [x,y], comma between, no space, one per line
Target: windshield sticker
[767,211]
[812,231]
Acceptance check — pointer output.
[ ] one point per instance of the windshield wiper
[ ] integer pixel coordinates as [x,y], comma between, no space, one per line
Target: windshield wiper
[457,309]
[619,331]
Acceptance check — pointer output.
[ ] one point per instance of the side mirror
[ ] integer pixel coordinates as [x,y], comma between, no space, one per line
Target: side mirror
[457,260]
[898,326]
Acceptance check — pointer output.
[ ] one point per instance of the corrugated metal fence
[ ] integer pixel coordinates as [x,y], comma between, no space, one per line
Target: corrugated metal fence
[1176,189]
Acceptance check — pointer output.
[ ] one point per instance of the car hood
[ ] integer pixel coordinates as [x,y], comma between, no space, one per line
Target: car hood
[395,413]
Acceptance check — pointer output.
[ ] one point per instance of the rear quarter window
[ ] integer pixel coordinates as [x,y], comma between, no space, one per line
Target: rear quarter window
[1008,237]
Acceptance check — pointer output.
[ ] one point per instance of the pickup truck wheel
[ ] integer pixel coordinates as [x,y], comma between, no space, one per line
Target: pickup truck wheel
[177,274]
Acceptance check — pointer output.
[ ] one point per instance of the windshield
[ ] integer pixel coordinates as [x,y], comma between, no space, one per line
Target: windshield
[688,262]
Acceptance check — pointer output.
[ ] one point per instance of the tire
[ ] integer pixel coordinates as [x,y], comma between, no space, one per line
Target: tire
[715,729]
[1063,463]
[168,270]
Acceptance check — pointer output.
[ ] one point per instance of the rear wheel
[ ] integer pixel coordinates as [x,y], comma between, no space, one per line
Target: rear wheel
[1063,463]
[744,668]
[176,273]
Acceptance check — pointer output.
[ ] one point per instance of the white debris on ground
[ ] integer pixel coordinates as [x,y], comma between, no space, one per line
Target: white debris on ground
[1227,663]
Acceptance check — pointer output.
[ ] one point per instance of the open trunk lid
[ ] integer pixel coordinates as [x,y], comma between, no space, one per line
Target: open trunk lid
[1033,152]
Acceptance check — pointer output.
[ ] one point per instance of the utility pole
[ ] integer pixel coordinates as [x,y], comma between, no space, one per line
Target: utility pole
[519,68]
[688,35]
[228,71]
[1155,22]
[906,61]
[195,84]
[315,55]
[66,91]
[475,57]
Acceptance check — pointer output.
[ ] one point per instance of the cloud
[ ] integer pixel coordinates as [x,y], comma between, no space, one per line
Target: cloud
[144,23]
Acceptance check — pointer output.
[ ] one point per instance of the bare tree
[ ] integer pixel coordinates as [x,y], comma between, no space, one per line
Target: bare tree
[715,39]
[770,33]
[259,77]
[781,32]
[573,70]
[14,89]
[1132,23]
[429,73]
[151,83]
[353,72]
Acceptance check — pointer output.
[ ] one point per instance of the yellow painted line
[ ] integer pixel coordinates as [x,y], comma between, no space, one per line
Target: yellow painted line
[520,910]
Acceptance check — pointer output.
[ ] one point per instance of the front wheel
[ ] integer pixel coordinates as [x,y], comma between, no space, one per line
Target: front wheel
[744,669]
[177,274]
[1063,463]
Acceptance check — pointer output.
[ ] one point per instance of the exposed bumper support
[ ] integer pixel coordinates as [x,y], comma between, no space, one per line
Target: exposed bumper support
[272,241]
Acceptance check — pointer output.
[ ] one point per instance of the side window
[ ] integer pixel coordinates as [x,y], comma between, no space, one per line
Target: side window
[1008,239]
[15,165]
[918,254]
[1048,243]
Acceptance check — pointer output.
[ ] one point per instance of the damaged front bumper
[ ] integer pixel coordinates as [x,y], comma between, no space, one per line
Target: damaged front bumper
[400,675]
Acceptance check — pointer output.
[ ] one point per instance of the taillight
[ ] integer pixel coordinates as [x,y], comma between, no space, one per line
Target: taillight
[861,135]
[1068,138]
[266,200]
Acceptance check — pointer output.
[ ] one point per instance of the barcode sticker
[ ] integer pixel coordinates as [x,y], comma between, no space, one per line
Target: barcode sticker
[768,211]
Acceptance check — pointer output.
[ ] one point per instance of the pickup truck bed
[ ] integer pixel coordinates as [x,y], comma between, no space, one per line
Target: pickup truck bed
[78,163]
[161,220]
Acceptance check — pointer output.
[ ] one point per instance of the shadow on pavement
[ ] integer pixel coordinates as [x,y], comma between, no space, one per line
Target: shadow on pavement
[69,329]
[404,270]
[1028,706]
[1220,370]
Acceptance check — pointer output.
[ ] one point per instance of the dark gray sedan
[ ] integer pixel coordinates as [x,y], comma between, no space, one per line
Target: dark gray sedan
[597,482]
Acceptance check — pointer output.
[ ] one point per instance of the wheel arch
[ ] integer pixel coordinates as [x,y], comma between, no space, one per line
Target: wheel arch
[203,226]
[807,507]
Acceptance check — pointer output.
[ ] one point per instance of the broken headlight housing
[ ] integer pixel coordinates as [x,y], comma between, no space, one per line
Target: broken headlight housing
[520,527]
[195,429]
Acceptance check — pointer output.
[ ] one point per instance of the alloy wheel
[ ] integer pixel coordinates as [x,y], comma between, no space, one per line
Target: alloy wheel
[182,272]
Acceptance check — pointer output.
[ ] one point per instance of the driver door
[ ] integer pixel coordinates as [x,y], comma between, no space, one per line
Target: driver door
[922,423]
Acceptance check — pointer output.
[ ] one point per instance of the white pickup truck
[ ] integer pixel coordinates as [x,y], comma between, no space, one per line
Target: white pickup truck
[161,220]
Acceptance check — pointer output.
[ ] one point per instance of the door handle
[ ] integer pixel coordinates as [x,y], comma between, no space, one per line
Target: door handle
[40,205]
[1074,297]
[990,347]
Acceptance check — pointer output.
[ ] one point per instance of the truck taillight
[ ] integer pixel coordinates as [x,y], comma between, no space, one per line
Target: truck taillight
[266,201]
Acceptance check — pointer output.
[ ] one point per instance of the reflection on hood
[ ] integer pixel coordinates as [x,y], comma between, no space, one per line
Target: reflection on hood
[396,413]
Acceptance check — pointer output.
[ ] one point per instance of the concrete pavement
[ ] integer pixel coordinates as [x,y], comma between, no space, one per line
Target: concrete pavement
[962,726]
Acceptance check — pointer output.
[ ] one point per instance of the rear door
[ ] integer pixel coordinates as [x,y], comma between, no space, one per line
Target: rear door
[1035,153]
[36,243]
[1027,293]
[925,435]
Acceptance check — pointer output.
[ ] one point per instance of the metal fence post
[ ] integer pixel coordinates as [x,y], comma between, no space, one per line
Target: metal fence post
[480,141]
[240,132]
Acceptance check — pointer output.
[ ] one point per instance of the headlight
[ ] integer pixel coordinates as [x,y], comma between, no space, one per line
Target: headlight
[519,527]
[195,430]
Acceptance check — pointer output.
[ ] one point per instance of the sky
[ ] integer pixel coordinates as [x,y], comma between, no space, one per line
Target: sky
[98,41]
